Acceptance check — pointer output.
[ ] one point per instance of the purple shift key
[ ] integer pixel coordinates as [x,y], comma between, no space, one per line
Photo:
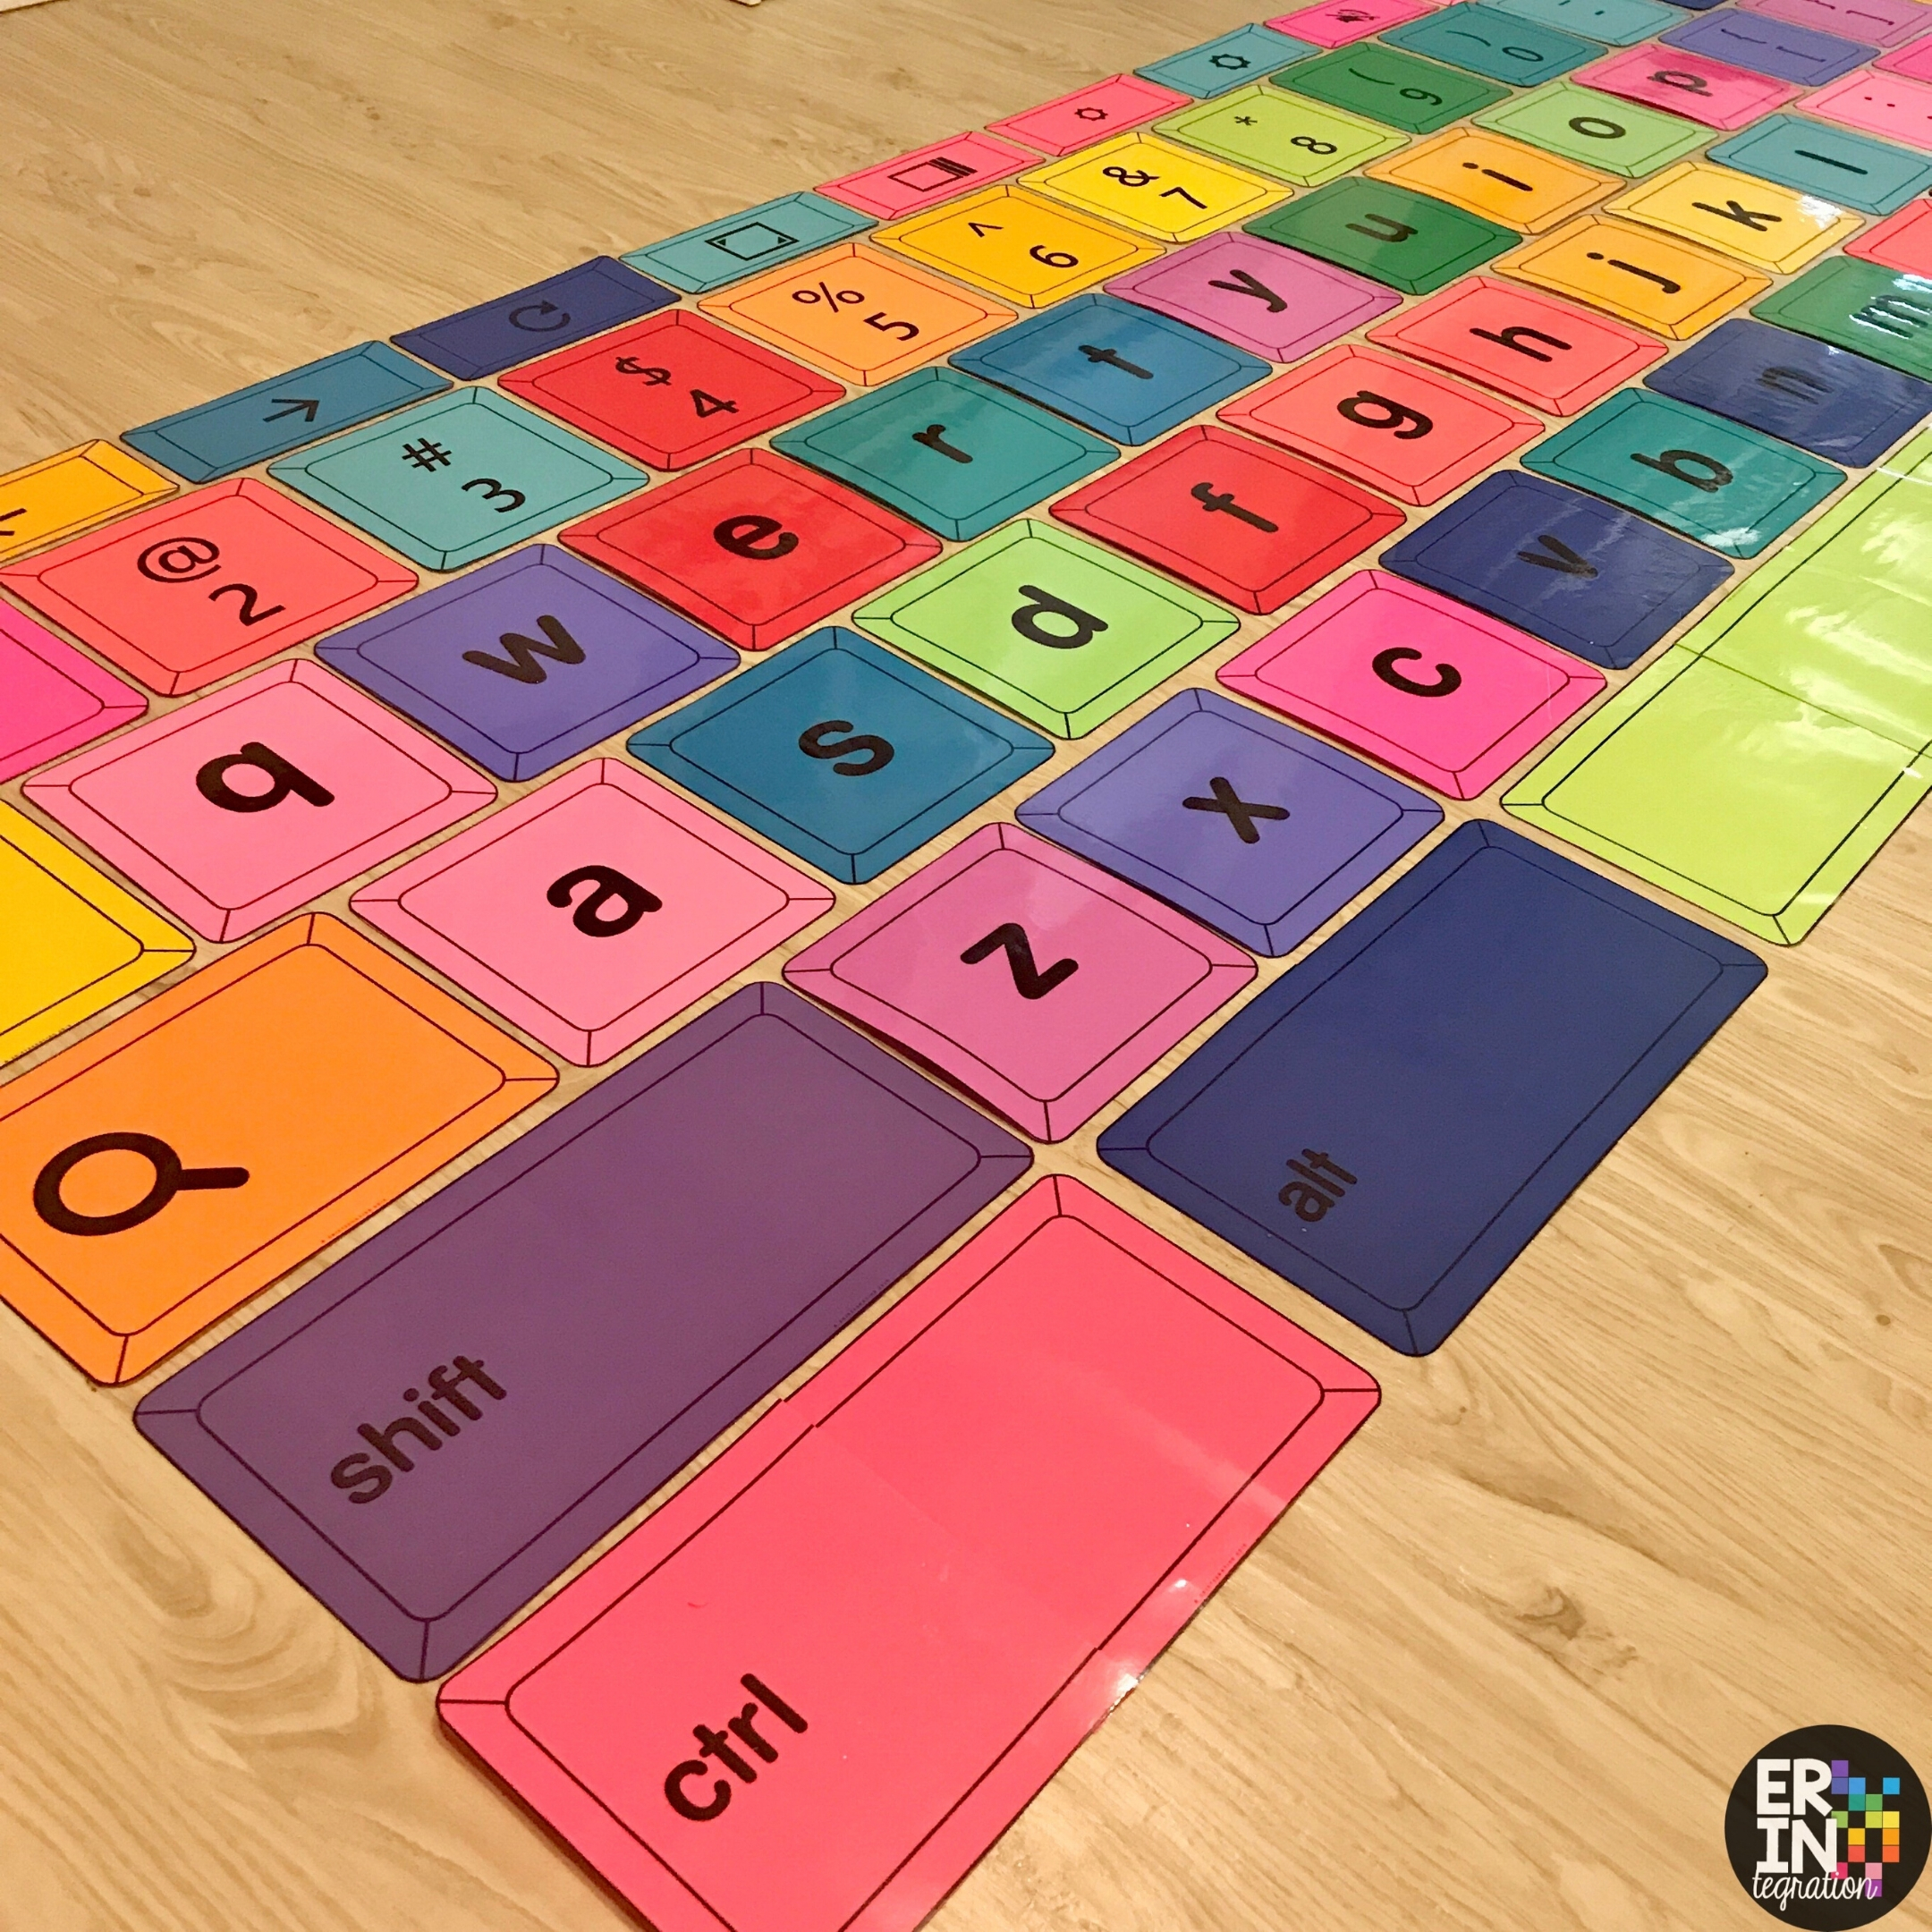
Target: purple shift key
[530,660]
[1254,827]
[1270,301]
[429,1431]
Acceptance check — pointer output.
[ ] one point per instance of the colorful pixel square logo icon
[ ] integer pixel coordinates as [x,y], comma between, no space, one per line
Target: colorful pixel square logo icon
[1828,1827]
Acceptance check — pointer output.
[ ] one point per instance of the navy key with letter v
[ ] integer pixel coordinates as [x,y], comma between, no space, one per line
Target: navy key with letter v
[529,322]
[1569,568]
[1391,1122]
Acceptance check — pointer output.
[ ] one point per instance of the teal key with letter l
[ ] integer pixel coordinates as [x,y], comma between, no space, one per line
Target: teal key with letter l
[454,480]
[270,419]
[953,452]
[1729,487]
[1854,170]
[734,246]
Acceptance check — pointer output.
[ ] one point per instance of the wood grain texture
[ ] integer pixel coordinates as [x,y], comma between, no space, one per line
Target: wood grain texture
[1666,1494]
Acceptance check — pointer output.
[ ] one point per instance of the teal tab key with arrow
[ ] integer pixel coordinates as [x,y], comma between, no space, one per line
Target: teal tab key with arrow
[269,418]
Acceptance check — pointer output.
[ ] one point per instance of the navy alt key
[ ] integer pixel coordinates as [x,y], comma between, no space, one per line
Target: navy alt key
[1390,1123]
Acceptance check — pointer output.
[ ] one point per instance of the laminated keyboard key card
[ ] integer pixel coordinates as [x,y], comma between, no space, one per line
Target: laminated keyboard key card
[1389,1123]
[975,1530]
[428,1431]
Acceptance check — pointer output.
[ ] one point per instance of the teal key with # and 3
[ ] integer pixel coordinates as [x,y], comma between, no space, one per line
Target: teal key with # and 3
[456,479]
[1396,236]
[726,250]
[269,418]
[842,752]
[1731,487]
[949,451]
[1872,176]
[1498,45]
[1621,23]
[1399,90]
[1230,60]
[1862,305]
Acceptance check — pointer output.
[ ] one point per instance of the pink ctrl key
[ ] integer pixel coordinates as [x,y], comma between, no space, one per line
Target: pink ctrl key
[1336,22]
[817,1685]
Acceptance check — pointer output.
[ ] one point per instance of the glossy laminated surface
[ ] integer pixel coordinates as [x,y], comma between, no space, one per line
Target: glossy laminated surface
[244,805]
[152,1179]
[188,591]
[528,660]
[968,1596]
[53,697]
[72,941]
[1115,365]
[1253,524]
[594,909]
[1055,628]
[947,450]
[454,480]
[269,418]
[747,242]
[562,308]
[731,1198]
[1450,1067]
[1426,684]
[1567,567]
[1729,486]
[1275,303]
[1032,979]
[753,545]
[1258,829]
[1827,399]
[842,752]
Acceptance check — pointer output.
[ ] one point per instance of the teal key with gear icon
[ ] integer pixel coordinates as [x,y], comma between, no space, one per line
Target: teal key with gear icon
[457,479]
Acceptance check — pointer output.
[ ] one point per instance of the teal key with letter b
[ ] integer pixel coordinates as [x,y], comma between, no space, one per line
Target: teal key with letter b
[1728,486]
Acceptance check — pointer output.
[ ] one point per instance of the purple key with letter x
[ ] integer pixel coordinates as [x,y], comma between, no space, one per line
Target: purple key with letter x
[1270,301]
[431,1429]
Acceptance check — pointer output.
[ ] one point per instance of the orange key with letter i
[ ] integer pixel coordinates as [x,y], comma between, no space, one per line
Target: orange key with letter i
[173,1163]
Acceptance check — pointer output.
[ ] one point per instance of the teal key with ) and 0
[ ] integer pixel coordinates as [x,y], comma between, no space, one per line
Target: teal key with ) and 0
[1621,23]
[1872,176]
[734,246]
[1233,60]
[1498,45]
[841,751]
[270,419]
[948,450]
[456,479]
[1731,487]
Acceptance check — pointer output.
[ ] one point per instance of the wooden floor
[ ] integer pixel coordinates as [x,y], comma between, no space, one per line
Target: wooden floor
[1668,1494]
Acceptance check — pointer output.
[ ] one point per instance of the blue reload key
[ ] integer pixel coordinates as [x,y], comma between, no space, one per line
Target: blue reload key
[529,322]
[270,419]
[1825,399]
[1571,569]
[1118,368]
